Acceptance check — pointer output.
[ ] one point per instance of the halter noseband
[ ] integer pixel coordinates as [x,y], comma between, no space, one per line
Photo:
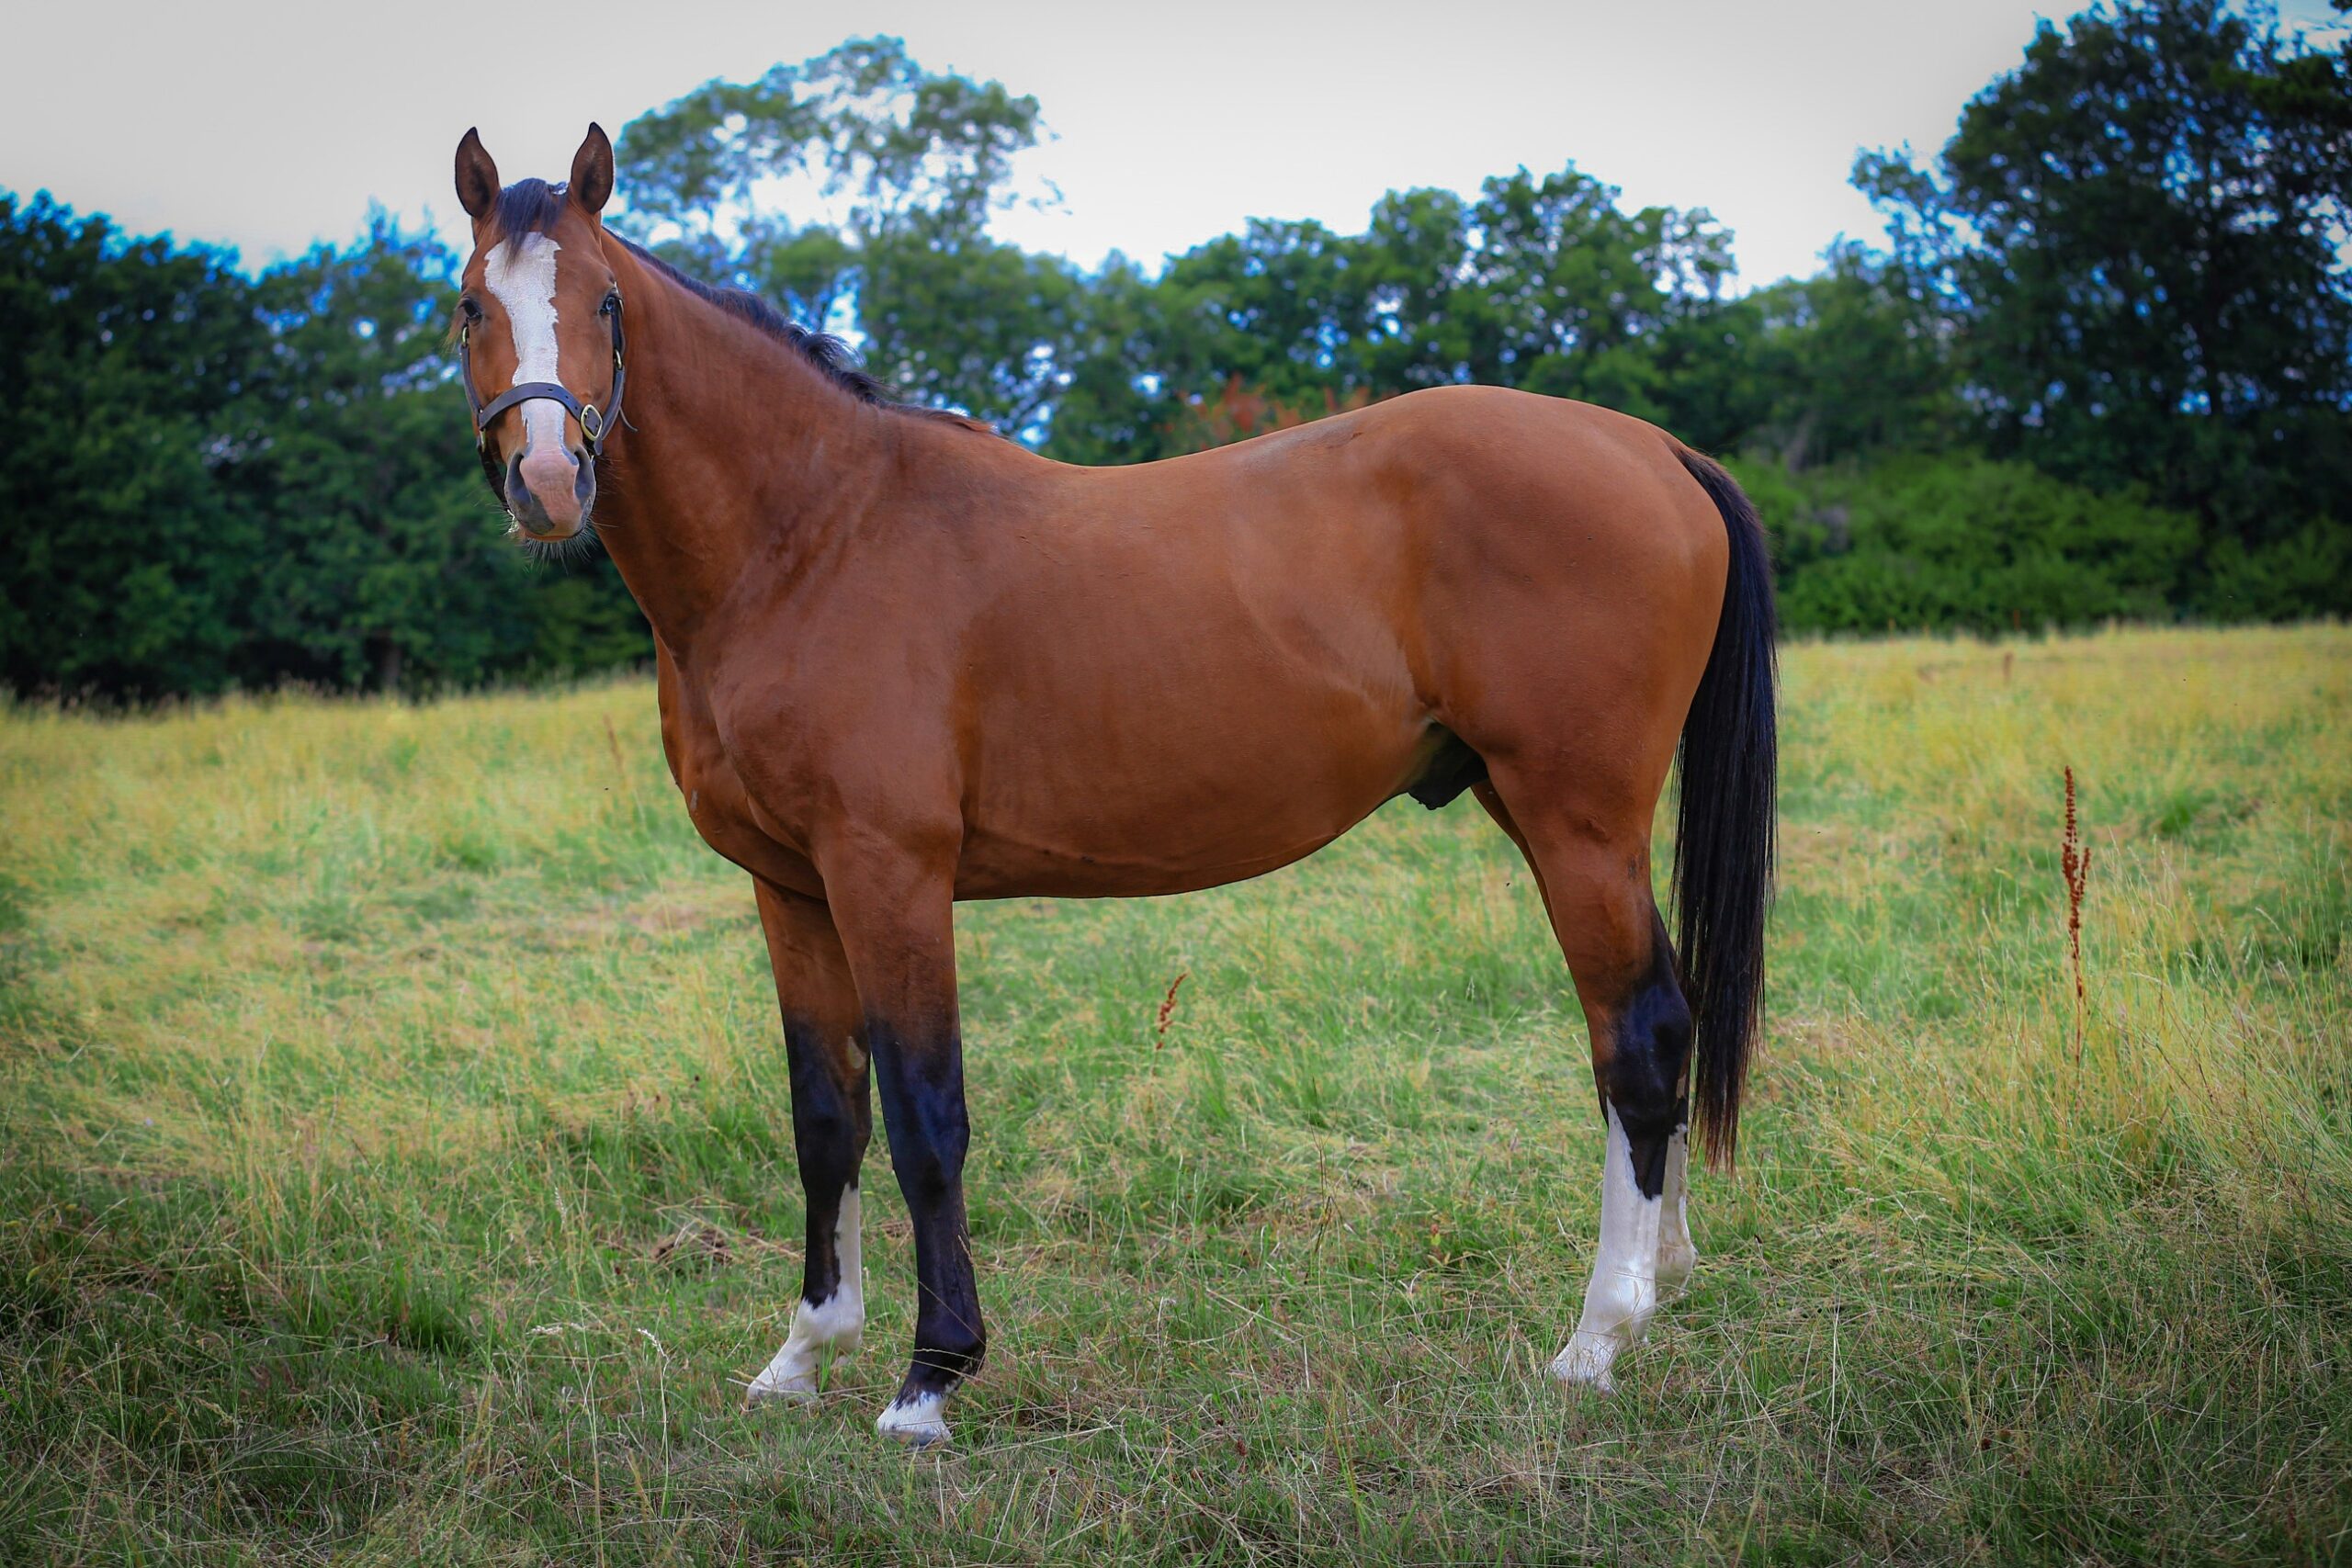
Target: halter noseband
[595,424]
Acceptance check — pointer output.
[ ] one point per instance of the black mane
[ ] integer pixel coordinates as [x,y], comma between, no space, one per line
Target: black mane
[529,206]
[532,207]
[824,350]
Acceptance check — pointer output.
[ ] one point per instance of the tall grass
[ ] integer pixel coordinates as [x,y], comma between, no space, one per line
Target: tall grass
[395,1162]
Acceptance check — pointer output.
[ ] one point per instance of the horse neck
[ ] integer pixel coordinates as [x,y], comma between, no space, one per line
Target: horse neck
[738,457]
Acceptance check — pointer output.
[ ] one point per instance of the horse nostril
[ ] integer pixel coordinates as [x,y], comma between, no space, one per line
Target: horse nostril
[518,493]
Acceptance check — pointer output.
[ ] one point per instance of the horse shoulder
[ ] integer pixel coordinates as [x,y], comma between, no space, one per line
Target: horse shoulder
[841,737]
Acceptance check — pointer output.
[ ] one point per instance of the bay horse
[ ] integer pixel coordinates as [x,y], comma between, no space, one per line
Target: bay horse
[903,662]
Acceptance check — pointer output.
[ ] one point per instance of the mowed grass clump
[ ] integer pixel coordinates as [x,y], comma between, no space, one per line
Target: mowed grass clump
[395,1162]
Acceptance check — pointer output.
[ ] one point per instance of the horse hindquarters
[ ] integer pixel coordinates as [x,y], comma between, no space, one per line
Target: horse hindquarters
[1664,1028]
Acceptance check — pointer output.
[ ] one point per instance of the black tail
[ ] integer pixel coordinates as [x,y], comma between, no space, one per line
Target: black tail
[1723,824]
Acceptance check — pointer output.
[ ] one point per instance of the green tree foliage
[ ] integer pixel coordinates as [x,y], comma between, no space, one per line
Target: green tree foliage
[1836,367]
[961,321]
[1566,293]
[1110,401]
[230,481]
[2104,369]
[387,557]
[915,161]
[1543,283]
[124,373]
[2140,237]
[1967,542]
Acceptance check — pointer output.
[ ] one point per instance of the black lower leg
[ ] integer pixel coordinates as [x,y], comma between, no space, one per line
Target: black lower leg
[832,1124]
[1642,1079]
[922,1081]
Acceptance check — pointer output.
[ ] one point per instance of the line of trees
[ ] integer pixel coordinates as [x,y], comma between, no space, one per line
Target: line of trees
[2103,366]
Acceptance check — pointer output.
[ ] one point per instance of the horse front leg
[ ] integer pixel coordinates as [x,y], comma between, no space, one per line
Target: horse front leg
[832,1121]
[895,911]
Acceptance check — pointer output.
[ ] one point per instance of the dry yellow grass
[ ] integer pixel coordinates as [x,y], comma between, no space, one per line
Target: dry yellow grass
[396,1161]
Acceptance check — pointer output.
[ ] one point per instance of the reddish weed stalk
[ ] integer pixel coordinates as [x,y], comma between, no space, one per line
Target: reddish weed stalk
[620,771]
[1167,1010]
[2075,864]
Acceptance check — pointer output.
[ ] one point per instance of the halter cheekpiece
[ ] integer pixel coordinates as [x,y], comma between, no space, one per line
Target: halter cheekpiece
[596,423]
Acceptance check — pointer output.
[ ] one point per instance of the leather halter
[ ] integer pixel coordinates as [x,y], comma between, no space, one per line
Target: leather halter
[595,424]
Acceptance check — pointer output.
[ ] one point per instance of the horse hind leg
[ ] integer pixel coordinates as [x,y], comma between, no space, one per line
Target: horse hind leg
[1596,890]
[1676,1255]
[1640,1037]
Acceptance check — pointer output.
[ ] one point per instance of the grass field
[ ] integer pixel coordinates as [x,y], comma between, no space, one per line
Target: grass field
[395,1163]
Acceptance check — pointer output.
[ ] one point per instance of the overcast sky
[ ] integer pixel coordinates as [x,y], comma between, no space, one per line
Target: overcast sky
[270,126]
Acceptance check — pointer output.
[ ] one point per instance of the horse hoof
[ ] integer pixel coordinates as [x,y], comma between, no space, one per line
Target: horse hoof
[1585,1364]
[772,1387]
[802,1393]
[917,1422]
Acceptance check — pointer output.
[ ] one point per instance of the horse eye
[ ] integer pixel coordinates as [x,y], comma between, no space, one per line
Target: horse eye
[471,309]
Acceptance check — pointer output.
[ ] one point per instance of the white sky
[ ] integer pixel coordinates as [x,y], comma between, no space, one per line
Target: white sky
[268,126]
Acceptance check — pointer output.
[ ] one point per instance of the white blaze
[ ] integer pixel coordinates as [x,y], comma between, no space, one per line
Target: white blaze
[837,1324]
[521,276]
[1623,1292]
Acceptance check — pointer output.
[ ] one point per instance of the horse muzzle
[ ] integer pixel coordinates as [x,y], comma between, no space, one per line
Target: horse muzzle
[549,493]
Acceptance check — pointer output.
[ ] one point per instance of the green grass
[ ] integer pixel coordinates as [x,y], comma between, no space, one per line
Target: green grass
[395,1163]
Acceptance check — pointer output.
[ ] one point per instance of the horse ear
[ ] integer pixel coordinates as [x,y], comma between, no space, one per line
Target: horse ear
[476,177]
[591,171]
